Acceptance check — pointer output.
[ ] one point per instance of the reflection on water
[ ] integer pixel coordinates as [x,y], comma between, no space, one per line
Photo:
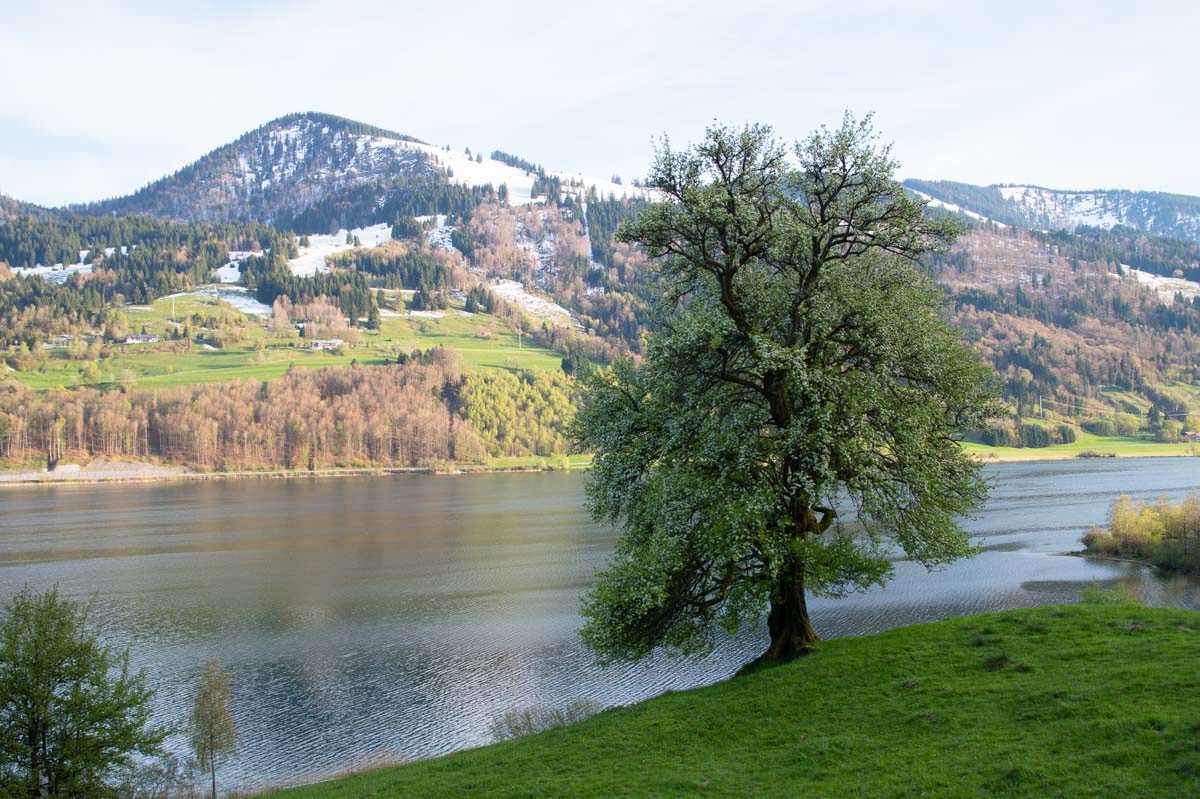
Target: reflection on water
[395,617]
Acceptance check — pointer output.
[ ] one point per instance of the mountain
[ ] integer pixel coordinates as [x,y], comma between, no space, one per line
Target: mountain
[1171,215]
[1073,335]
[315,172]
[1083,309]
[276,172]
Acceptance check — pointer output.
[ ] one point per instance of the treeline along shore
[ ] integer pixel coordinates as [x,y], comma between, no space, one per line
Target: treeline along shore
[419,414]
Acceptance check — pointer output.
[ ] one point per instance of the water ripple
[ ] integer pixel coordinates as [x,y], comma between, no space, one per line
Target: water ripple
[386,619]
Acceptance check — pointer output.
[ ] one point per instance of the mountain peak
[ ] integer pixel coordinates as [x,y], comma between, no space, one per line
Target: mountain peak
[334,123]
[278,171]
[315,171]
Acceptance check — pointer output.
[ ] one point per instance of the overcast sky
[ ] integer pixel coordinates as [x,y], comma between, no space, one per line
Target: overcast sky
[99,98]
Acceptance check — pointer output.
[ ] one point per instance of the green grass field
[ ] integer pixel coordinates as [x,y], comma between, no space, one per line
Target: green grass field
[1084,701]
[555,462]
[1118,446]
[261,356]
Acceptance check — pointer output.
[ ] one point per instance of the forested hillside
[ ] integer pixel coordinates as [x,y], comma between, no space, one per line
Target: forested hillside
[421,413]
[1091,324]
[1078,339]
[10,208]
[115,260]
[1036,208]
[1073,335]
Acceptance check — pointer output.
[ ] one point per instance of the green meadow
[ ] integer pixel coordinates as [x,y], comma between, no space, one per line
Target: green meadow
[1092,700]
[481,341]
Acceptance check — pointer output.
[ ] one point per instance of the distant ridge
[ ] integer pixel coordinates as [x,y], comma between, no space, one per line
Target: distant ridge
[10,207]
[315,172]
[1039,208]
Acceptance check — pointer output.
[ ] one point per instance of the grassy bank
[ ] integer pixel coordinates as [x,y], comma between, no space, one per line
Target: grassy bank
[1086,445]
[1091,700]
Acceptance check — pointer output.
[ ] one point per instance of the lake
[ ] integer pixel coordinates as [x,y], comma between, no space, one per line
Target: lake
[377,618]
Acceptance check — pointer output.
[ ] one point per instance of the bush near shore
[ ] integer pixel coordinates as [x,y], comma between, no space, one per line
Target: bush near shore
[1163,533]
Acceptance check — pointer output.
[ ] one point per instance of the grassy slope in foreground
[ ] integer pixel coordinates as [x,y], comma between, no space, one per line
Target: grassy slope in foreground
[1091,700]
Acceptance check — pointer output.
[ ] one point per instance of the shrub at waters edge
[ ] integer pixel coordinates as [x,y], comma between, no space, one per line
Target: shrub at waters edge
[1159,532]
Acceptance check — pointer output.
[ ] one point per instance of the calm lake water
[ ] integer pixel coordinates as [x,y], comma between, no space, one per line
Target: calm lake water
[375,618]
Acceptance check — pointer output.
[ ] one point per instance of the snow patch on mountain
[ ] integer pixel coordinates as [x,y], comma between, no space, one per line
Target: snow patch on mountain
[1166,287]
[441,235]
[466,170]
[578,185]
[229,273]
[954,209]
[1068,210]
[60,272]
[56,273]
[311,259]
[240,297]
[514,292]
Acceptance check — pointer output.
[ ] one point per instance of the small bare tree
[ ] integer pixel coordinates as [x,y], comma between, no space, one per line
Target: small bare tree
[214,732]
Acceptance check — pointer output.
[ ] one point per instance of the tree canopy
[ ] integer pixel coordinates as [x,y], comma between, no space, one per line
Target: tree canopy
[213,731]
[799,368]
[72,715]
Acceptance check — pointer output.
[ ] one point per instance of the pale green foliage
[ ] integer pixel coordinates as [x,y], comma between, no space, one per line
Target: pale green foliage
[800,362]
[213,730]
[1162,532]
[514,414]
[72,716]
[532,720]
[1119,594]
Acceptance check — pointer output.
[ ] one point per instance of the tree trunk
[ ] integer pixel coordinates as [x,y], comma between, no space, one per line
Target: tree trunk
[213,767]
[34,788]
[791,629]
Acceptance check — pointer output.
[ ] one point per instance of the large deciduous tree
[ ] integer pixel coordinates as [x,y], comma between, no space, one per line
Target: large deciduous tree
[799,367]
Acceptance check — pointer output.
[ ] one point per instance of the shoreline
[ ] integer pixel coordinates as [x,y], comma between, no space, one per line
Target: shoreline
[131,472]
[1158,567]
[155,473]
[989,458]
